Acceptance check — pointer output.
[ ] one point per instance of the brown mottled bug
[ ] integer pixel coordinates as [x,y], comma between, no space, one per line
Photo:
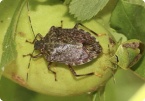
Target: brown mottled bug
[69,46]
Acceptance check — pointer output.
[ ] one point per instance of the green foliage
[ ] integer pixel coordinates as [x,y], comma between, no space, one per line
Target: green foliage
[86,9]
[128,18]
[128,53]
[9,47]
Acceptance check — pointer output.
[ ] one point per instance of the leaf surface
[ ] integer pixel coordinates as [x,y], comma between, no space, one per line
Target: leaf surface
[86,9]
[128,18]
[9,46]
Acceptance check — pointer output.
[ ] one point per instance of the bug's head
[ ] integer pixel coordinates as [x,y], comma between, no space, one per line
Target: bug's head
[38,45]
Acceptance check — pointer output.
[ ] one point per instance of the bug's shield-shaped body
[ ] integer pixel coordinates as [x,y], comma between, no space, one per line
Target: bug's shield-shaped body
[70,46]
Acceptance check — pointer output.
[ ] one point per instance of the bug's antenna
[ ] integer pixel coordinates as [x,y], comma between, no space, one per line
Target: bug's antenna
[29,62]
[28,41]
[30,17]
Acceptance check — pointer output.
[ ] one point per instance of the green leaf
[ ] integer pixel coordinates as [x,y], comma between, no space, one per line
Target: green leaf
[86,9]
[128,18]
[67,1]
[128,53]
[9,46]
[137,2]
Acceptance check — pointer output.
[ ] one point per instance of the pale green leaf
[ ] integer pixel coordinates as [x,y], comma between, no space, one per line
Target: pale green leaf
[9,47]
[67,1]
[86,9]
[128,18]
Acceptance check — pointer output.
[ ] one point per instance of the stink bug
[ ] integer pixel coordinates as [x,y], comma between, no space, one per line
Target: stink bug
[71,46]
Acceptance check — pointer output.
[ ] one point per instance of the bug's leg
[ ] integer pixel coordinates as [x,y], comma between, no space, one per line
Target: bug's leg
[76,26]
[49,65]
[77,75]
[33,56]
[37,36]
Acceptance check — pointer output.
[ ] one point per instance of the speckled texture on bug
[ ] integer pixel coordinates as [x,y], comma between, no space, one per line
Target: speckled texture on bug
[70,46]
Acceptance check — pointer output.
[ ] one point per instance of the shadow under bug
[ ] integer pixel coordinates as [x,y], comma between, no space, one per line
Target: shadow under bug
[71,46]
